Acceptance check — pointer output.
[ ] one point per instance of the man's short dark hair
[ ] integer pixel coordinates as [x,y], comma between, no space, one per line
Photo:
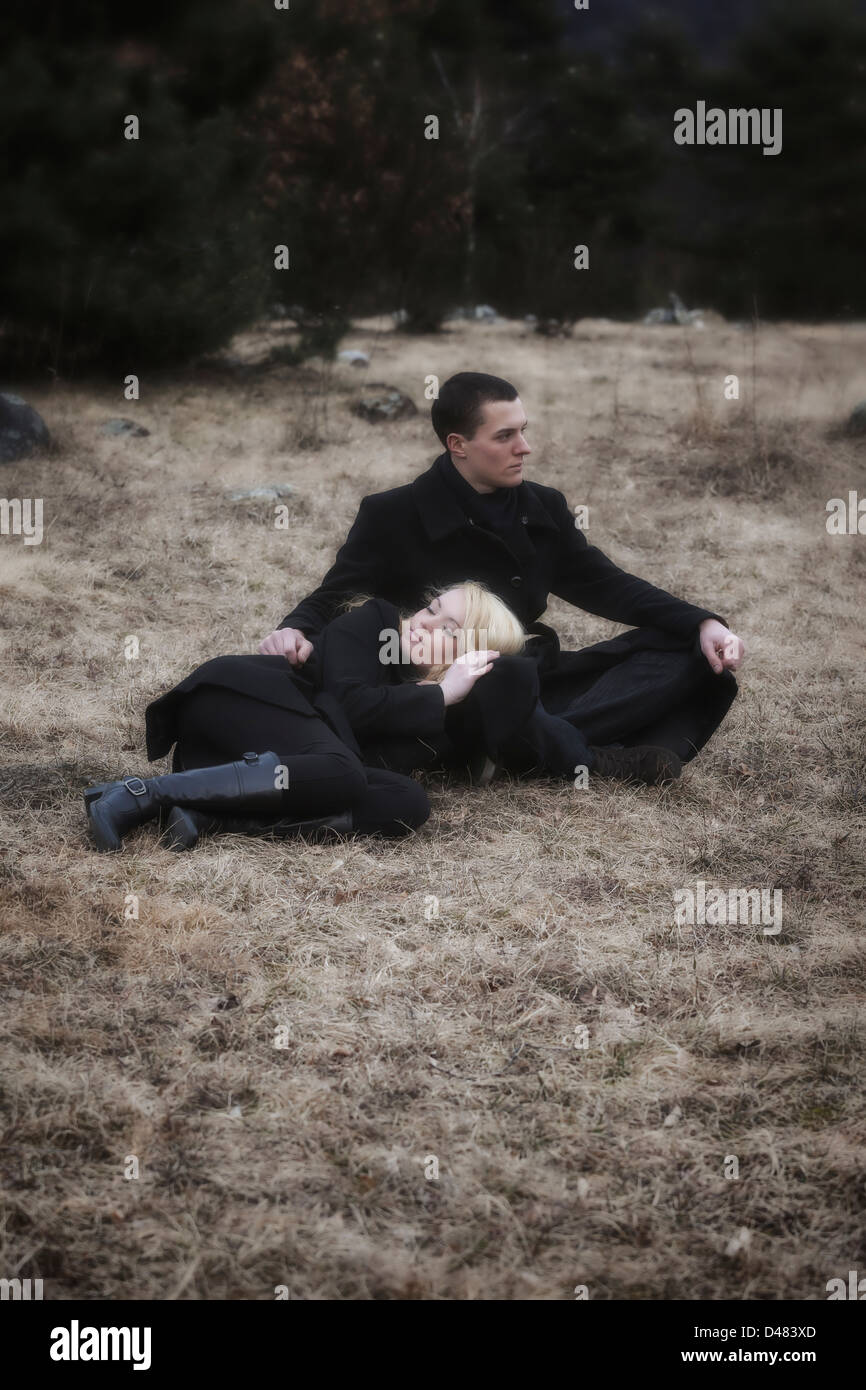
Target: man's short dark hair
[459,407]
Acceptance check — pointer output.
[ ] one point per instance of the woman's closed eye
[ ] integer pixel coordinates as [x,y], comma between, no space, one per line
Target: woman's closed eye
[452,631]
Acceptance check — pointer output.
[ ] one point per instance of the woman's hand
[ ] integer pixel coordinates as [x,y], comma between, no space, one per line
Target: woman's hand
[463,673]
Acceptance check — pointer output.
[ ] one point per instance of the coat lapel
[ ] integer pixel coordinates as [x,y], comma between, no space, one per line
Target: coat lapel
[438,508]
[441,513]
[534,510]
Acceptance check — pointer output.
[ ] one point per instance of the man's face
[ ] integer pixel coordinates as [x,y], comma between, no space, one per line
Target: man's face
[494,456]
[429,637]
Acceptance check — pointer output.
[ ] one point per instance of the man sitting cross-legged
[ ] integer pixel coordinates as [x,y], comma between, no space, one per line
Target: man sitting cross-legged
[635,706]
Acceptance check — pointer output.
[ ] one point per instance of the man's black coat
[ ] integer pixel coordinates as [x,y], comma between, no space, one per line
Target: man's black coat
[411,539]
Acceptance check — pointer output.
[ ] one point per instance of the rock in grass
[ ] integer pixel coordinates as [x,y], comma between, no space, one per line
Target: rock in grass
[554,328]
[128,427]
[856,423]
[677,313]
[354,357]
[265,492]
[22,429]
[481,313]
[384,403]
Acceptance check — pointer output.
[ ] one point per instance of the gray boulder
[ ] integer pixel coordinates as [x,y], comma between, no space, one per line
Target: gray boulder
[677,313]
[554,328]
[266,492]
[856,423]
[22,430]
[384,402]
[128,427]
[480,313]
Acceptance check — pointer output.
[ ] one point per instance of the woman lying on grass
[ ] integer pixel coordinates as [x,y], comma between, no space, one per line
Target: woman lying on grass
[263,746]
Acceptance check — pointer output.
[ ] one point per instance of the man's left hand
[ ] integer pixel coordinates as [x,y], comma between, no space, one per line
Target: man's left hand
[722,648]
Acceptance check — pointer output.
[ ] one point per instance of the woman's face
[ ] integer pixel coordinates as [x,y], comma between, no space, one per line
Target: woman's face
[429,637]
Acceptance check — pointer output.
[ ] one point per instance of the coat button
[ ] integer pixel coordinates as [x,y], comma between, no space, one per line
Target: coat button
[516,581]
[251,757]
[524,519]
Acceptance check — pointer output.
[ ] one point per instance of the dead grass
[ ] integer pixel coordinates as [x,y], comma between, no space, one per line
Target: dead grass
[453,1038]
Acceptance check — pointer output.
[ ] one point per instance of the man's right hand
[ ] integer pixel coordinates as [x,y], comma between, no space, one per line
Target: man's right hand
[289,642]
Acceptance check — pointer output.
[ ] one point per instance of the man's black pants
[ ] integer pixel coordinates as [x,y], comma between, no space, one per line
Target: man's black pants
[542,716]
[668,697]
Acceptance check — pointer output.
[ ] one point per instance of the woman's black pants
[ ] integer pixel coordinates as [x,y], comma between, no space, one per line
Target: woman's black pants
[217,725]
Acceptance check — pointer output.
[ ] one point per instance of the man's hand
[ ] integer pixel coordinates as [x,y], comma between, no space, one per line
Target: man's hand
[289,642]
[722,648]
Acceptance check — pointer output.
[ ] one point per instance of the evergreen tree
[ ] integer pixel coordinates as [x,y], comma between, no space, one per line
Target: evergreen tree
[116,250]
[790,226]
[371,210]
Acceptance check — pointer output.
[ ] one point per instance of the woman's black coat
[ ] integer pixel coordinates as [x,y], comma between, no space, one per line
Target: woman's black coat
[366,702]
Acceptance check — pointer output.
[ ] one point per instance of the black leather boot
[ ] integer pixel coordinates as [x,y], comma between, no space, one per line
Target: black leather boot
[248,787]
[184,827]
[654,766]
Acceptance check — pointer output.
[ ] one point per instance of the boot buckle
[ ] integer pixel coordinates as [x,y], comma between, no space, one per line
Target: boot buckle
[139,790]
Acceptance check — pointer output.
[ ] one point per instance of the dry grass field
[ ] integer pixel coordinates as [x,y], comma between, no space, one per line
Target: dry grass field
[406,1039]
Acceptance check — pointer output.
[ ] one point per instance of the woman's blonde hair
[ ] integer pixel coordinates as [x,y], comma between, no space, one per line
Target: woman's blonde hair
[489,624]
